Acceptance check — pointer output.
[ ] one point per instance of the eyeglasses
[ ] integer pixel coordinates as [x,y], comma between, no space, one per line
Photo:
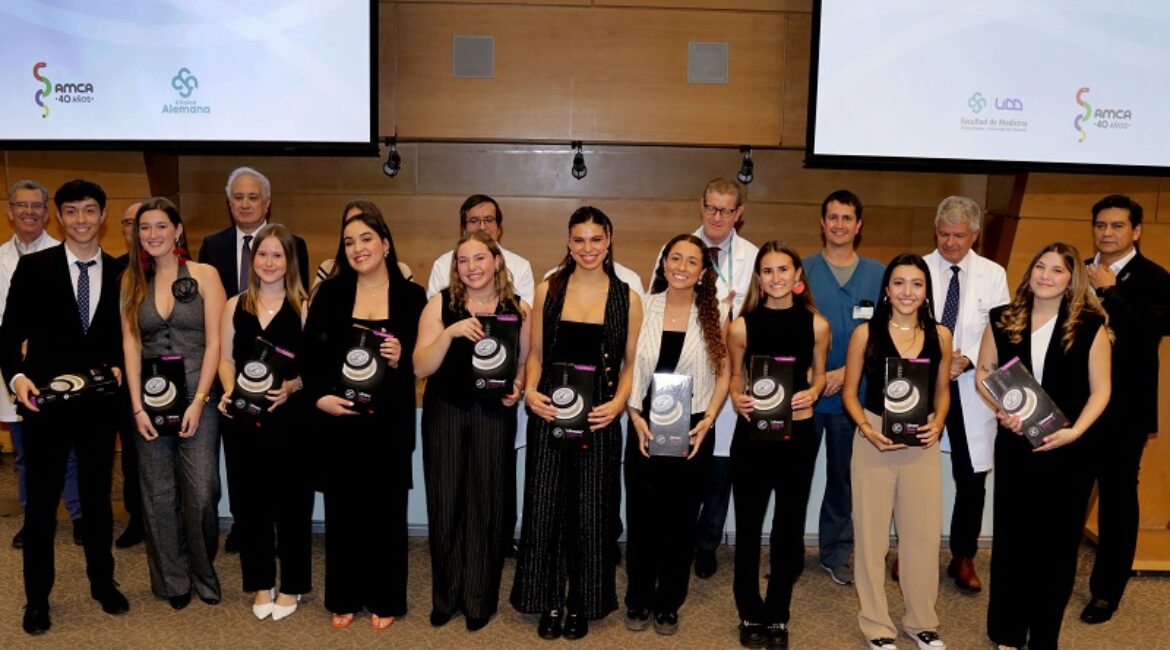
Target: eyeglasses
[726,213]
[478,221]
[23,205]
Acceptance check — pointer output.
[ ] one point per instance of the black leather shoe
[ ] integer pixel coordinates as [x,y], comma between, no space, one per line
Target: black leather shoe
[112,600]
[132,536]
[180,602]
[776,636]
[210,601]
[637,619]
[475,624]
[751,635]
[705,564]
[439,619]
[36,619]
[510,549]
[576,627]
[1097,611]
[78,529]
[231,544]
[550,625]
[666,623]
[18,538]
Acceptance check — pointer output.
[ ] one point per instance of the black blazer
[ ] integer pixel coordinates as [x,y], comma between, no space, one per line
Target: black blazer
[42,310]
[1139,314]
[329,332]
[219,250]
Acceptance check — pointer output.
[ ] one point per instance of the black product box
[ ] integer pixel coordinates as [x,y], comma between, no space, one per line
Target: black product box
[770,381]
[494,357]
[670,415]
[72,386]
[267,368]
[363,369]
[1018,393]
[907,399]
[572,397]
[164,392]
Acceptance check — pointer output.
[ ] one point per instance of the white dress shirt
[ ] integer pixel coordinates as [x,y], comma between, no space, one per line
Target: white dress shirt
[518,268]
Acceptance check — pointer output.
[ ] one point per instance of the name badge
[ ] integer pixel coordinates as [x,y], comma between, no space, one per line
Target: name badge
[862,312]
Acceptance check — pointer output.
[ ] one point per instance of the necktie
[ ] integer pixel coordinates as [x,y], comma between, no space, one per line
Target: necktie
[83,292]
[951,306]
[713,253]
[245,263]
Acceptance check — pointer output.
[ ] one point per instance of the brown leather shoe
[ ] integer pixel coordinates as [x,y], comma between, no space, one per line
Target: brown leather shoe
[962,569]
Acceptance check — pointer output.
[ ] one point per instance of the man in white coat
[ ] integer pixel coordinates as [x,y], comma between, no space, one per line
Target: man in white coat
[966,287]
[721,212]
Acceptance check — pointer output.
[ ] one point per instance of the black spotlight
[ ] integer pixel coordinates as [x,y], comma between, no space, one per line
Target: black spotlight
[746,170]
[579,169]
[393,163]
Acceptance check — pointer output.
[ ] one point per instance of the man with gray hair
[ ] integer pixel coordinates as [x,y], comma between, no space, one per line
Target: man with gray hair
[966,287]
[249,200]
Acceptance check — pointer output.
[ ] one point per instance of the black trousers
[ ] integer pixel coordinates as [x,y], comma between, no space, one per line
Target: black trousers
[365,517]
[469,461]
[1039,510]
[127,432]
[87,428]
[273,499]
[1115,460]
[970,486]
[662,506]
[757,470]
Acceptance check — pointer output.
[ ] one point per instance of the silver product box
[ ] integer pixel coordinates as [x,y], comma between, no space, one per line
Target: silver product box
[670,415]
[1018,393]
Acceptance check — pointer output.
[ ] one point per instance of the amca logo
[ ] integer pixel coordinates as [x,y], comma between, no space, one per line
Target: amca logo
[184,82]
[41,95]
[1103,118]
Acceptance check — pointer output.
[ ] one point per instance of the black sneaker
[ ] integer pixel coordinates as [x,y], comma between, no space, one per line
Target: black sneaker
[705,564]
[777,635]
[751,635]
[666,623]
[637,619]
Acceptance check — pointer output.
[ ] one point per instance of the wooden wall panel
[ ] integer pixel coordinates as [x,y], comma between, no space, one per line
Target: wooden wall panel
[797,59]
[1071,196]
[387,69]
[589,74]
[725,5]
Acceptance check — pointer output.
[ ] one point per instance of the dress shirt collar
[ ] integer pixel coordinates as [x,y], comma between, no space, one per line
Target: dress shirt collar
[1119,264]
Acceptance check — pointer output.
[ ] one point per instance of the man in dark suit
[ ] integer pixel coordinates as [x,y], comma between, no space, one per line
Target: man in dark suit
[1136,294]
[249,199]
[63,307]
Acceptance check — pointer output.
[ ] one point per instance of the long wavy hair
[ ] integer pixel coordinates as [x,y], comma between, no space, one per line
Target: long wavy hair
[705,298]
[755,297]
[884,310]
[1078,298]
[559,281]
[363,205]
[503,278]
[140,269]
[294,289]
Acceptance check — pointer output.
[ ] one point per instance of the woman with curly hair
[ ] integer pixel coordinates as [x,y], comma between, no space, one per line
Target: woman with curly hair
[468,435]
[172,306]
[897,480]
[1056,327]
[779,319]
[683,332]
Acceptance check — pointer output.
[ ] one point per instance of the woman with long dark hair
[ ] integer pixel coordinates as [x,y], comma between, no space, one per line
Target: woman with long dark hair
[896,479]
[1056,327]
[171,306]
[583,314]
[468,438]
[366,455]
[275,498]
[779,319]
[683,331]
[328,267]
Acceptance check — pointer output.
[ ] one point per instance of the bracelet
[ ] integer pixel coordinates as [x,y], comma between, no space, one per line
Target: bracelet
[135,413]
[203,397]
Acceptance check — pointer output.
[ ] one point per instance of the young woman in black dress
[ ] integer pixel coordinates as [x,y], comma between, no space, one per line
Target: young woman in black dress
[469,454]
[367,456]
[779,319]
[276,497]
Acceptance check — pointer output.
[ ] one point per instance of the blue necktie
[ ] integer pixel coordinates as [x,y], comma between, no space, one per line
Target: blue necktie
[951,306]
[83,292]
[245,263]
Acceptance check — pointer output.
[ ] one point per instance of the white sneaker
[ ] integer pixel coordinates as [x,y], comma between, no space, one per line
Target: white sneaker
[883,643]
[927,640]
[265,610]
[280,612]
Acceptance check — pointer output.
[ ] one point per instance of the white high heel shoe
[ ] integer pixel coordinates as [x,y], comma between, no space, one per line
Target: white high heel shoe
[280,612]
[265,610]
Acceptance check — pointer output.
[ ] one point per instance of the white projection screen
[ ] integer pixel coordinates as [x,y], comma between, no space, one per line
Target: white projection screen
[1060,85]
[247,75]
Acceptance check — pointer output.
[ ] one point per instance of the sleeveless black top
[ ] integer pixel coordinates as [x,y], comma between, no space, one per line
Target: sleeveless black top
[782,333]
[875,369]
[284,330]
[669,352]
[453,378]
